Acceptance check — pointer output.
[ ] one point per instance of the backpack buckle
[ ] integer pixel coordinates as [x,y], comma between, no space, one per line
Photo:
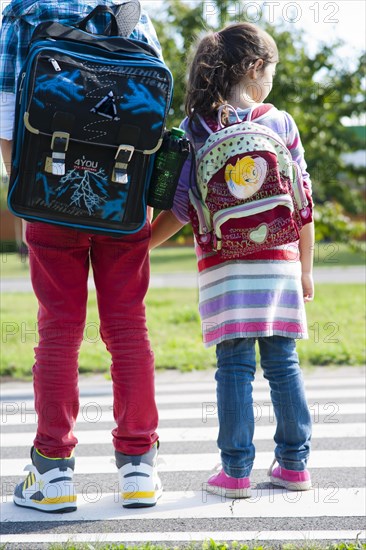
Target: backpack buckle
[59,146]
[122,158]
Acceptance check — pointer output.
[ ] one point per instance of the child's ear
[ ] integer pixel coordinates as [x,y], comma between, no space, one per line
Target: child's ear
[257,68]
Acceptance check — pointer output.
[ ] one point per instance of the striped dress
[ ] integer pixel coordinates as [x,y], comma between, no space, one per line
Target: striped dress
[252,297]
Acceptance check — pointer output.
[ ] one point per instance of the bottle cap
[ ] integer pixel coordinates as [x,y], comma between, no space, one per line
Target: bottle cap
[177,132]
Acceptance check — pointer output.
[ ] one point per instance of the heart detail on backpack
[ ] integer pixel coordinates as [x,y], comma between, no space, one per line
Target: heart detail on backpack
[259,235]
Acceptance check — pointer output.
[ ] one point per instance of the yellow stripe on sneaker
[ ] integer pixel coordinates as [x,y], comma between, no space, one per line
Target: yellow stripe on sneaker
[139,494]
[58,500]
[49,458]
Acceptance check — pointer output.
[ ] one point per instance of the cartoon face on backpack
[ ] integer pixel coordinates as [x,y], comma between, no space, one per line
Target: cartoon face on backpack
[246,177]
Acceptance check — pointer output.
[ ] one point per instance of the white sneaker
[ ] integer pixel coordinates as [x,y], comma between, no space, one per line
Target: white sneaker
[139,482]
[49,486]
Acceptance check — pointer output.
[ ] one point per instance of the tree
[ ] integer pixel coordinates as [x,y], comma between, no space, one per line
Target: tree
[318,90]
[176,32]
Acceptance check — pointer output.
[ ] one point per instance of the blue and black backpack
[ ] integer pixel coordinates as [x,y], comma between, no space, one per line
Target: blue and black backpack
[91,114]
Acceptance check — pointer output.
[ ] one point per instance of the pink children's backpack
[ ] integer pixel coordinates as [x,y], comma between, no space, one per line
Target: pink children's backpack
[250,195]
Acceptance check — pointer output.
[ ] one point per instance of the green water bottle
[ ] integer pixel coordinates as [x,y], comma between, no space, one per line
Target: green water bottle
[168,166]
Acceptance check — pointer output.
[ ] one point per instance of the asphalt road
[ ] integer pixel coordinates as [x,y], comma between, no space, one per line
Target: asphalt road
[333,510]
[346,275]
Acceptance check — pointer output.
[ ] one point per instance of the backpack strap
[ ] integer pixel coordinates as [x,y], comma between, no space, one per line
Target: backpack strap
[258,111]
[123,20]
[208,124]
[113,27]
[57,31]
[213,125]
[219,114]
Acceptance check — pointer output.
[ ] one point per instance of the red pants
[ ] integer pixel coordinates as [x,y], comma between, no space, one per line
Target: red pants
[59,263]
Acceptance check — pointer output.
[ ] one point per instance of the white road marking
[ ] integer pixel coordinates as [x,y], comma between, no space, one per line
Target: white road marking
[90,437]
[16,414]
[174,398]
[207,385]
[330,501]
[197,462]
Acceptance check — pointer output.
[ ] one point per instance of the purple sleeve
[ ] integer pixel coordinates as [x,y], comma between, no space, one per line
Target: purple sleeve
[181,198]
[296,149]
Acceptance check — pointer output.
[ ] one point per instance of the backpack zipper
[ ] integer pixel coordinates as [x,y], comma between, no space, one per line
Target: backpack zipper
[250,209]
[54,64]
[299,192]
[203,214]
[58,68]
[204,151]
[21,88]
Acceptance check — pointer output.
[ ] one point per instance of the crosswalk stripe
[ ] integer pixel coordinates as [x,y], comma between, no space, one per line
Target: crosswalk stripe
[186,536]
[259,383]
[199,397]
[90,437]
[330,501]
[16,415]
[199,462]
[171,387]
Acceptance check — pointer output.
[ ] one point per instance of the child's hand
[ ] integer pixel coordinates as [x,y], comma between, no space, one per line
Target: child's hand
[307,286]
[150,213]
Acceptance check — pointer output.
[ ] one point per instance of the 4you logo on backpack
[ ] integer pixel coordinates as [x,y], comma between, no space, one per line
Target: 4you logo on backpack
[84,164]
[252,195]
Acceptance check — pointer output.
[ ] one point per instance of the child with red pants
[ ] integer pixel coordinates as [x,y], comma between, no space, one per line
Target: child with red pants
[59,265]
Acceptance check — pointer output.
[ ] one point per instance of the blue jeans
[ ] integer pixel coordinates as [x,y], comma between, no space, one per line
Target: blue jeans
[235,374]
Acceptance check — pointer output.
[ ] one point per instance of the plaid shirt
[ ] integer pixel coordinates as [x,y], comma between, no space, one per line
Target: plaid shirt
[20,18]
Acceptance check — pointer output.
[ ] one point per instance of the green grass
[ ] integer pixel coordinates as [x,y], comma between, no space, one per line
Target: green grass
[182,259]
[337,254]
[173,324]
[13,266]
[209,544]
[163,260]
[336,321]
[212,545]
[173,260]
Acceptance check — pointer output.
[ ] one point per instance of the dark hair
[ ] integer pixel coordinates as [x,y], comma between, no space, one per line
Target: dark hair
[221,60]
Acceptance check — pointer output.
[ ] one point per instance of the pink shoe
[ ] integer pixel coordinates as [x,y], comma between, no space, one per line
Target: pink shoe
[290,479]
[227,486]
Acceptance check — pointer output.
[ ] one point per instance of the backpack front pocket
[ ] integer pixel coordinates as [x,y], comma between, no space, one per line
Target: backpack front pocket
[258,225]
